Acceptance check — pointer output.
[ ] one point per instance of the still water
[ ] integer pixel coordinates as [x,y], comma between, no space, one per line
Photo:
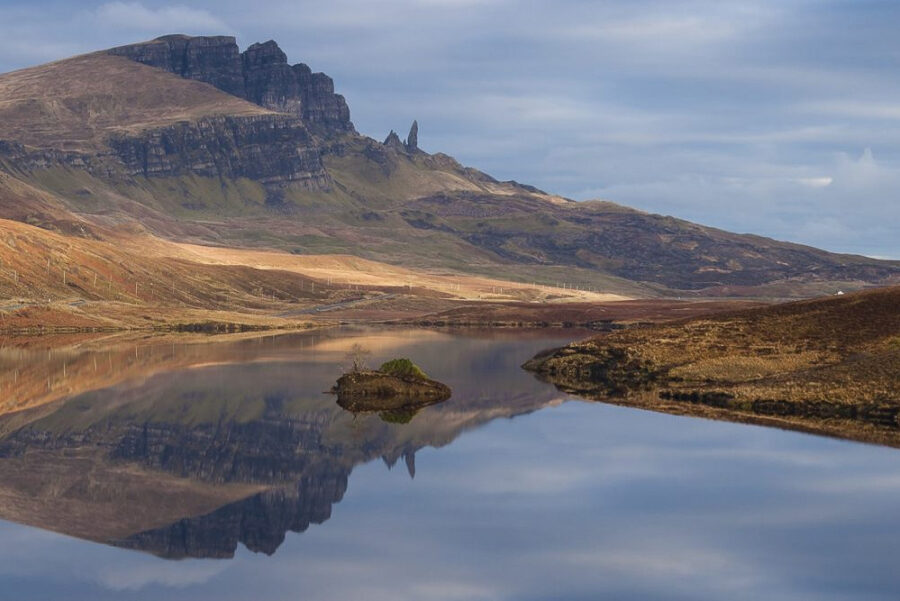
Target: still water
[188,470]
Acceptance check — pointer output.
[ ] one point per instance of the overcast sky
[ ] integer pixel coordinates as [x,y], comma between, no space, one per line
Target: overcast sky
[780,118]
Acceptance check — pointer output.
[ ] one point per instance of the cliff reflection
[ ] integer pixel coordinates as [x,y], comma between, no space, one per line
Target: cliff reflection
[212,445]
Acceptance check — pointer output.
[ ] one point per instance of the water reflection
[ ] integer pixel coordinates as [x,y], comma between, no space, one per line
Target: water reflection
[222,450]
[187,450]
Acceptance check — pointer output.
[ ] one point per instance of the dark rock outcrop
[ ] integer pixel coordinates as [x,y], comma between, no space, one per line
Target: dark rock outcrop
[323,111]
[393,141]
[592,369]
[408,146]
[274,150]
[270,81]
[215,60]
[26,158]
[261,74]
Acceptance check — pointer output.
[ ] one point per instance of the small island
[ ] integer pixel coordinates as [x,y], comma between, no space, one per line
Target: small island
[398,384]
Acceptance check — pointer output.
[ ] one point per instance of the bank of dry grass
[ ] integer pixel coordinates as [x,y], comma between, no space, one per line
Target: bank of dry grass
[830,365]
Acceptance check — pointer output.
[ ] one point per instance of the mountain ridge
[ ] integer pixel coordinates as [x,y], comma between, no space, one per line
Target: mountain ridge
[189,139]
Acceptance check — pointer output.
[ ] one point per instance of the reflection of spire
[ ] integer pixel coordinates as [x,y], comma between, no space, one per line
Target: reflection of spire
[410,459]
[198,426]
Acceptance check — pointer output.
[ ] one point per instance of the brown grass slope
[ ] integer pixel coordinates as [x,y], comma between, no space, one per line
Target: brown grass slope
[830,365]
[50,280]
[74,104]
[112,279]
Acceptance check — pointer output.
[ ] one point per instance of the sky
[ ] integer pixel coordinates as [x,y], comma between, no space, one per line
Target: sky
[780,117]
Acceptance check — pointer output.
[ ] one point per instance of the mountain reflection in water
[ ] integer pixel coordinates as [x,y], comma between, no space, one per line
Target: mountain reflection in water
[186,450]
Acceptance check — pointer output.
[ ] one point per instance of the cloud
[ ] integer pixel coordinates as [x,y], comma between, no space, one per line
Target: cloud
[687,30]
[167,19]
[857,109]
[169,574]
[815,182]
[865,174]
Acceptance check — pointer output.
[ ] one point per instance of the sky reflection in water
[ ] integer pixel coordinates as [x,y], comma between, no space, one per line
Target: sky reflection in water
[575,501]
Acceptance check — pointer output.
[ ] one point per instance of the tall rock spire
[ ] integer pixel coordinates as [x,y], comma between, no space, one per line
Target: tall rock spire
[412,140]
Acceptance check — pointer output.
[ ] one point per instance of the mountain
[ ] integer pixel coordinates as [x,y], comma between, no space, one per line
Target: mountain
[188,139]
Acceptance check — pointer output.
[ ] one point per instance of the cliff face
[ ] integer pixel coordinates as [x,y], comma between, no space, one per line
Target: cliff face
[215,60]
[117,118]
[271,149]
[261,74]
[274,150]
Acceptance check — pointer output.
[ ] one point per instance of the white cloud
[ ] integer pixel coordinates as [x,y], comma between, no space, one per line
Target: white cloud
[857,109]
[687,30]
[815,182]
[167,19]
[169,574]
[865,174]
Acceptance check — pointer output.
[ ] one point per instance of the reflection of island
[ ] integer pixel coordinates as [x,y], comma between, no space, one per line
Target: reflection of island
[190,463]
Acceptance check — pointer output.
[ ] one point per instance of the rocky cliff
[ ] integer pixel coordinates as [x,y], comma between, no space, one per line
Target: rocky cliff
[274,150]
[271,149]
[261,74]
[215,60]
[118,119]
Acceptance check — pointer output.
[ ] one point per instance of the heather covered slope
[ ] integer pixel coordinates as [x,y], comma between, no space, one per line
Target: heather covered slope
[830,365]
[192,140]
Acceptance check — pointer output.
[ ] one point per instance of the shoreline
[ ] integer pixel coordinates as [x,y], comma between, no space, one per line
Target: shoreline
[828,366]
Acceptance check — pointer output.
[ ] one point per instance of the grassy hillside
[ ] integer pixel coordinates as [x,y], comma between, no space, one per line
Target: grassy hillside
[75,104]
[104,277]
[516,235]
[829,364]
[99,143]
